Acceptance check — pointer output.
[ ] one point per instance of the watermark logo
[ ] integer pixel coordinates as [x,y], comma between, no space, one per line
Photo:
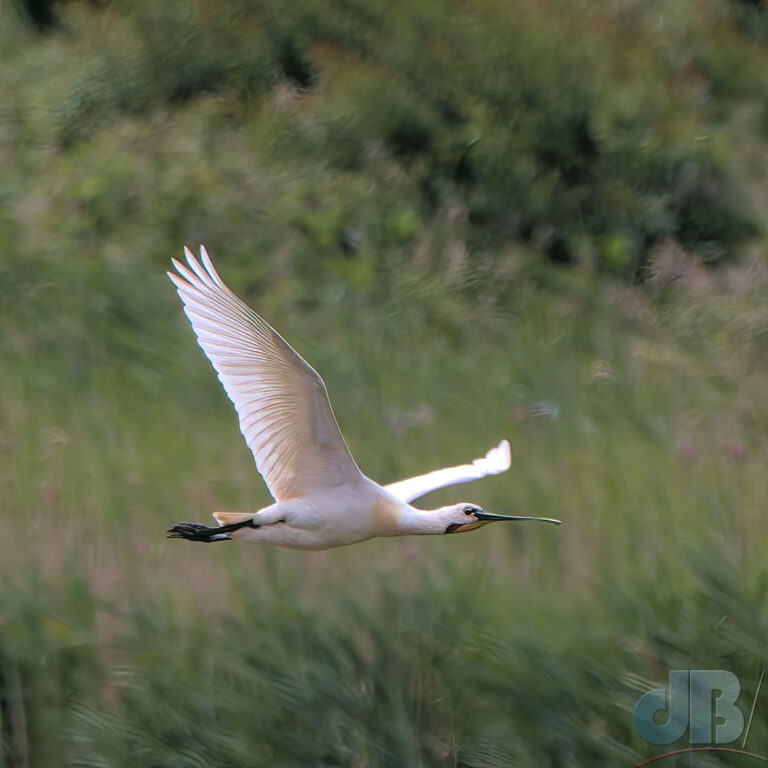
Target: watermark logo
[691,698]
[701,702]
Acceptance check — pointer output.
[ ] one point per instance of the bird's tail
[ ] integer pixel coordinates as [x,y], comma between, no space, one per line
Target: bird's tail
[227,518]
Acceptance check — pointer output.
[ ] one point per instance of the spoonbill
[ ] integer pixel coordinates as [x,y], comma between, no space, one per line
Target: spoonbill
[322,499]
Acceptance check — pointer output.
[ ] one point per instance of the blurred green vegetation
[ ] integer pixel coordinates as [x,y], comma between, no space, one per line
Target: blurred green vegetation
[477,220]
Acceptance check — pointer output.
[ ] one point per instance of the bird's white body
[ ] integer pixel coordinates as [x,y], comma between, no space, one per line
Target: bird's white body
[322,500]
[327,518]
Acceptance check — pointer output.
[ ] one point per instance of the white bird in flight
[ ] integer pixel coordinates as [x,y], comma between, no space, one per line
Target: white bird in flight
[322,499]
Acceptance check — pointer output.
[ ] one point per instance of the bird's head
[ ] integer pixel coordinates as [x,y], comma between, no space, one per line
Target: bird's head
[460,518]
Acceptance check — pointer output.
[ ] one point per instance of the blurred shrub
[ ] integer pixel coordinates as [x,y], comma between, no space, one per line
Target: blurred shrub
[555,126]
[391,180]
[348,151]
[457,670]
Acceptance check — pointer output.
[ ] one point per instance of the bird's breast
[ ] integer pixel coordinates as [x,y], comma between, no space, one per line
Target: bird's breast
[385,518]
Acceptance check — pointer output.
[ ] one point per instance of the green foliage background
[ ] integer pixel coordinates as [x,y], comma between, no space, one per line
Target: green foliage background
[541,221]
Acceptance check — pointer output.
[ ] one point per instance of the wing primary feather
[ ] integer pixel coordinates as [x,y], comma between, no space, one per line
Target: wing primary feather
[208,264]
[224,299]
[197,269]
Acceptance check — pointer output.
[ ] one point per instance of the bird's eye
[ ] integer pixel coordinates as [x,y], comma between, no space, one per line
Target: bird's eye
[469,510]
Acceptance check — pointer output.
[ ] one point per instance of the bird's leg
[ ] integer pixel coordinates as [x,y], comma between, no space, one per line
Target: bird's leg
[206,533]
[236,526]
[197,532]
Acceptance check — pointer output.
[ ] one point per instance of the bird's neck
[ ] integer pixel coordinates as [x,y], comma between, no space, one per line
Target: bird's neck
[392,517]
[420,521]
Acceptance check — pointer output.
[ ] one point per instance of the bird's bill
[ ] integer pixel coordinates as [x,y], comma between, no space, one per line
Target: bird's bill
[488,517]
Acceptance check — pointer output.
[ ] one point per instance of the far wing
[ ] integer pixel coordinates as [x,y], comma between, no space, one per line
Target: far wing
[497,460]
[285,414]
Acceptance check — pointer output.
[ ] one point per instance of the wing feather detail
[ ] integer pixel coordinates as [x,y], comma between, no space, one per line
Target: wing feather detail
[282,403]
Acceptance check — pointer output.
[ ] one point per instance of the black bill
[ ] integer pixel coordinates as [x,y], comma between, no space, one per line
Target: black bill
[489,517]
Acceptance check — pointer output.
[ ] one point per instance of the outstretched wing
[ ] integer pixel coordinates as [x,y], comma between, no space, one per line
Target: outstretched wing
[285,415]
[495,461]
